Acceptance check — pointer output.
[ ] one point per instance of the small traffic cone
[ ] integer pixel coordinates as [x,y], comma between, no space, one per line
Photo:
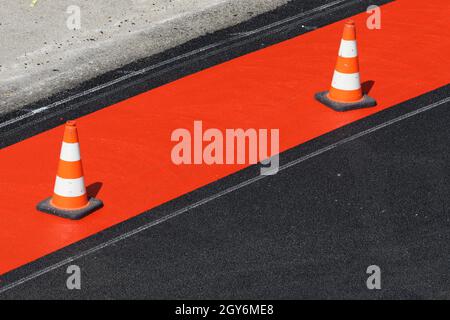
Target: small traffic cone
[346,92]
[70,199]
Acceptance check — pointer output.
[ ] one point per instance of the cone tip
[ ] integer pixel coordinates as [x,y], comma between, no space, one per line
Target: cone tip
[350,22]
[71,123]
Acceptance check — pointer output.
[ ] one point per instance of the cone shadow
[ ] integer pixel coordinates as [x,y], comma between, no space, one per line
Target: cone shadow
[367,86]
[93,189]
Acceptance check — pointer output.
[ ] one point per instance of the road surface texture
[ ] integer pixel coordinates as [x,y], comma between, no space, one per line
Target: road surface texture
[366,187]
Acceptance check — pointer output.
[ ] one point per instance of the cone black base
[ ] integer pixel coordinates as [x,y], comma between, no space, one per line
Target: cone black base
[365,102]
[45,206]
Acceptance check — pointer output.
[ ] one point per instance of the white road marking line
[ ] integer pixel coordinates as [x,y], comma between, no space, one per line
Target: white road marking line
[218,195]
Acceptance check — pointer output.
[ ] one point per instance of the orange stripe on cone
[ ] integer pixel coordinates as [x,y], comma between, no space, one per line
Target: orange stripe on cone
[70,132]
[70,170]
[349,32]
[345,95]
[66,203]
[347,65]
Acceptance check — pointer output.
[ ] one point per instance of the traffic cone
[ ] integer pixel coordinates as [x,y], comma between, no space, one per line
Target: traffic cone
[70,199]
[346,92]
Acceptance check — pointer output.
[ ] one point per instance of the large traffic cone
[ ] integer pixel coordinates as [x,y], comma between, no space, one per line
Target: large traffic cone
[346,92]
[70,199]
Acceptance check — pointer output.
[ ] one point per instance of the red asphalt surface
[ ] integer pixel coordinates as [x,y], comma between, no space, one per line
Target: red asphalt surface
[127,146]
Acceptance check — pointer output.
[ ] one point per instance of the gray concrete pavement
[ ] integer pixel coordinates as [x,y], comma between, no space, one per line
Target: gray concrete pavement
[41,54]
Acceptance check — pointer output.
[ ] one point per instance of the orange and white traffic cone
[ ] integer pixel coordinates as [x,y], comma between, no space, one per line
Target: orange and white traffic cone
[346,92]
[70,199]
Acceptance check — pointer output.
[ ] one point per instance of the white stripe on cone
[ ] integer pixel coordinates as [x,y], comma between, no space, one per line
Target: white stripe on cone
[69,187]
[346,81]
[348,49]
[70,152]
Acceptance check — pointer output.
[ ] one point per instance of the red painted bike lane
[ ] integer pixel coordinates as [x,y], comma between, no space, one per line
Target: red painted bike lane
[127,146]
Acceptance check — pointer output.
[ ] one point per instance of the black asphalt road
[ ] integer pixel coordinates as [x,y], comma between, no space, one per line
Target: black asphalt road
[375,197]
